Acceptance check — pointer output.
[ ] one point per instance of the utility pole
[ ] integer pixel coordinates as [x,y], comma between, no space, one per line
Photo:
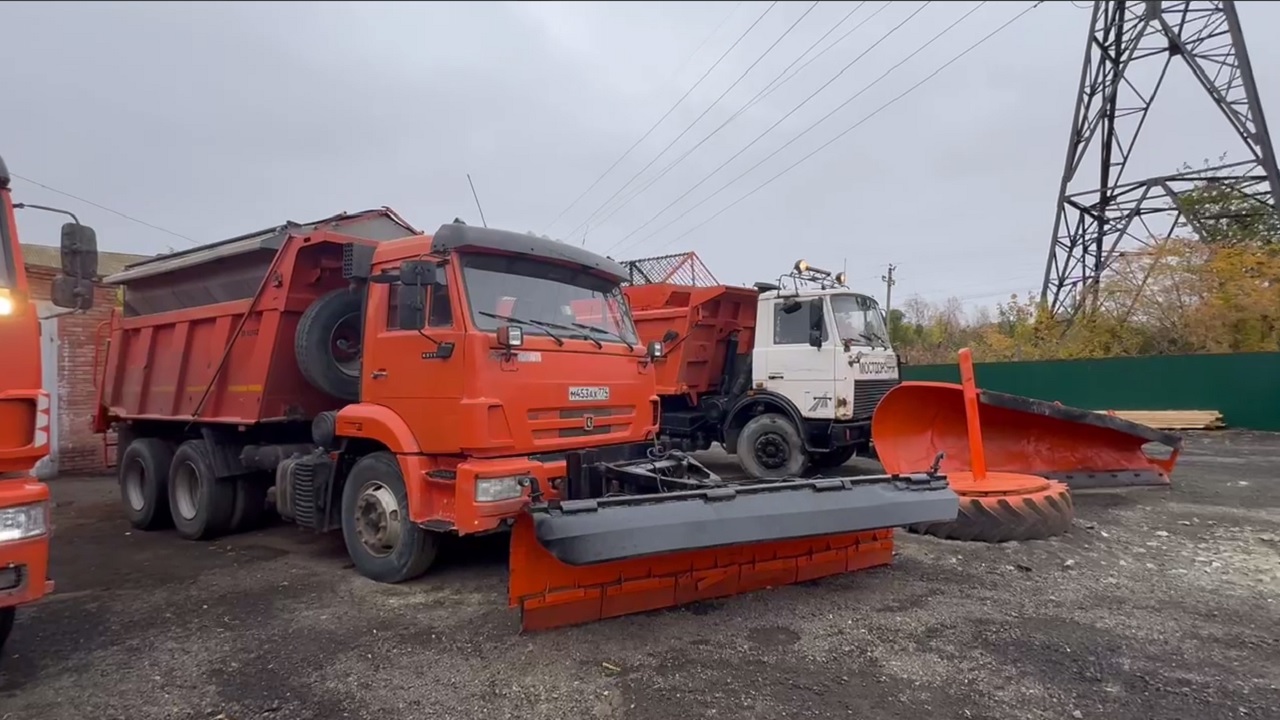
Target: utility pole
[889,282]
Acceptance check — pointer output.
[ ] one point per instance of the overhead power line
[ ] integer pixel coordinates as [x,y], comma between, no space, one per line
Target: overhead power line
[130,218]
[769,90]
[859,123]
[707,39]
[773,85]
[696,120]
[661,119]
[767,130]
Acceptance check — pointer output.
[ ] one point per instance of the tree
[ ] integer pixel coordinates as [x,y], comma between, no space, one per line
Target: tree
[1216,289]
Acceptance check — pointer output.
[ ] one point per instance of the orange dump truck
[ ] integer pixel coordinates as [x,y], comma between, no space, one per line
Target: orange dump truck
[24,405]
[399,387]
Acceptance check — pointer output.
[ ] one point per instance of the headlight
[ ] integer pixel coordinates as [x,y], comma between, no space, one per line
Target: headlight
[6,306]
[25,521]
[499,488]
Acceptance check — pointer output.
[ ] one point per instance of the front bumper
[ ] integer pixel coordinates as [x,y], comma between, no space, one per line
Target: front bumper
[24,564]
[24,571]
[446,499]
[843,433]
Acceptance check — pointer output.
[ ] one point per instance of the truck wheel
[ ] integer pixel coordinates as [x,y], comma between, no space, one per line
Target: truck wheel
[250,503]
[328,344]
[144,483]
[770,448]
[382,542]
[6,623]
[200,503]
[832,458]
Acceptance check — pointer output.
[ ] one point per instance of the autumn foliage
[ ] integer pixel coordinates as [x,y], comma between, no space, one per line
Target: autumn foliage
[1210,293]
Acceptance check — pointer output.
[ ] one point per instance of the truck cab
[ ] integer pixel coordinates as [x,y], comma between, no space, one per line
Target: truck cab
[24,404]
[496,353]
[825,350]
[785,375]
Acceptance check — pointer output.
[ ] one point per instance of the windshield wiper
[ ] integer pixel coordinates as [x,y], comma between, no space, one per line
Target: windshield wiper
[536,323]
[873,341]
[606,331]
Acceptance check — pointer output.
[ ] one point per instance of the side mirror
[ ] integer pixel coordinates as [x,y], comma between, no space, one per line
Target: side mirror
[510,336]
[816,321]
[670,336]
[71,293]
[654,349]
[411,310]
[73,287]
[418,273]
[79,251]
[790,305]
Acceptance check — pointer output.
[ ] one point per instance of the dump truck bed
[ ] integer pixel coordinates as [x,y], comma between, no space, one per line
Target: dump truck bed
[713,323]
[208,333]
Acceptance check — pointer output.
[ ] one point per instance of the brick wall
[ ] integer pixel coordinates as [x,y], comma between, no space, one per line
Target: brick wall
[79,449]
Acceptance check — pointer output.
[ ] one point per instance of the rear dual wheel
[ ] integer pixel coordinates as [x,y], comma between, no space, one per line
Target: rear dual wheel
[201,505]
[162,487]
[144,483]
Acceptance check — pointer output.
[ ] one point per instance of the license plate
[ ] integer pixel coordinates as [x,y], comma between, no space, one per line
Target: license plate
[587,394]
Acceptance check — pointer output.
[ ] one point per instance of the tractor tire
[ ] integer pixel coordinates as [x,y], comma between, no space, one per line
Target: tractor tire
[832,459]
[6,623]
[1005,518]
[201,504]
[770,448]
[328,344]
[383,543]
[144,483]
[251,502]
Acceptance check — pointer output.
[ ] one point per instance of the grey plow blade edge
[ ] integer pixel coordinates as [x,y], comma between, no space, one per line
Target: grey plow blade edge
[587,532]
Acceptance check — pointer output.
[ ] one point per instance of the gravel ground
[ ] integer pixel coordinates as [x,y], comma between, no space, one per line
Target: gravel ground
[1158,604]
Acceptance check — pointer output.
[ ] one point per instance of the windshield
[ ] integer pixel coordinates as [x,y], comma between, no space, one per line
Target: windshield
[539,296]
[859,320]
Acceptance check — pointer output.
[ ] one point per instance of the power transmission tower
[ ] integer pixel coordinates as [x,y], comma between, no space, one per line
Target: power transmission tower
[1099,206]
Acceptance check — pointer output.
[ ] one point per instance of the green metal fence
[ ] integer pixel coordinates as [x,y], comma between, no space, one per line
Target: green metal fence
[1244,387]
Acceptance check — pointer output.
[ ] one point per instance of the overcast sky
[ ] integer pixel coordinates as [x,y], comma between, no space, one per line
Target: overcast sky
[212,120]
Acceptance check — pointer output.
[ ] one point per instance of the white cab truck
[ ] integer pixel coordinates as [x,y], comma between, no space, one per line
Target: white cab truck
[784,375]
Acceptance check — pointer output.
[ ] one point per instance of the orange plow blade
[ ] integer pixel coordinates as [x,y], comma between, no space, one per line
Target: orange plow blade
[551,594]
[916,421]
[579,560]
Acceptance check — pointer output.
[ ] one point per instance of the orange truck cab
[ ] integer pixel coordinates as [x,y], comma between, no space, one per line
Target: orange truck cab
[361,376]
[24,407]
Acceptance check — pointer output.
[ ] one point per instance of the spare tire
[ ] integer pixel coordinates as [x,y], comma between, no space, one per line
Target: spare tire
[328,344]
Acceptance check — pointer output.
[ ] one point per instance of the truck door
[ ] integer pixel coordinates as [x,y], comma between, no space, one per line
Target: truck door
[797,370]
[401,370]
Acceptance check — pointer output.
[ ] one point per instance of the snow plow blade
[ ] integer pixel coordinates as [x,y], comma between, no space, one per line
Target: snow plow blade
[578,561]
[916,421]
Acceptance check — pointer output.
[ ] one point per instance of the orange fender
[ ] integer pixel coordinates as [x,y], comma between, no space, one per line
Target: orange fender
[378,423]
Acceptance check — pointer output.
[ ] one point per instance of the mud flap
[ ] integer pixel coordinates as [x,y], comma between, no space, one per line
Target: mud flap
[577,562]
[916,421]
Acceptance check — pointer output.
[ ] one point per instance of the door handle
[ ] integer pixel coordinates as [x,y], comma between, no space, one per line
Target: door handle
[775,376]
[377,374]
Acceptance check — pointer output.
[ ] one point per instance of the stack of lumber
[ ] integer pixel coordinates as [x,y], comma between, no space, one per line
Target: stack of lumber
[1173,419]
